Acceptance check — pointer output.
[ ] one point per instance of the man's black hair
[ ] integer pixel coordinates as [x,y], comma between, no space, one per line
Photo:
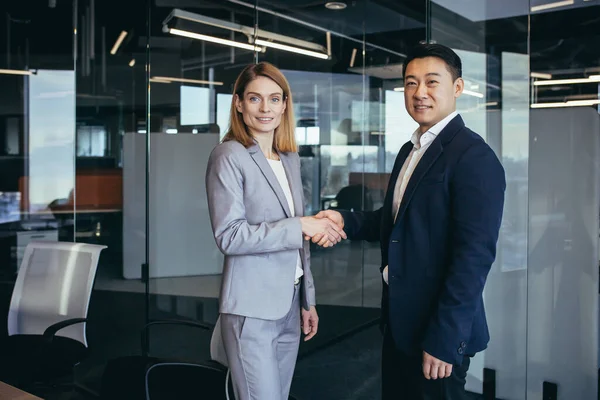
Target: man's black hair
[440,51]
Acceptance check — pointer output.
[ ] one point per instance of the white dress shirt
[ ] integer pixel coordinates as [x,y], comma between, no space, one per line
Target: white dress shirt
[277,167]
[420,145]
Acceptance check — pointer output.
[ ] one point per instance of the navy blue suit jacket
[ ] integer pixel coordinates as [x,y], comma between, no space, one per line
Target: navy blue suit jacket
[442,245]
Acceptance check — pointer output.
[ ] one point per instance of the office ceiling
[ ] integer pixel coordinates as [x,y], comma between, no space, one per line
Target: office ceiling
[388,23]
[563,43]
[485,10]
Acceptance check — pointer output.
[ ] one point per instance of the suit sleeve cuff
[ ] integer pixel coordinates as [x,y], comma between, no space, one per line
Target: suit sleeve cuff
[449,351]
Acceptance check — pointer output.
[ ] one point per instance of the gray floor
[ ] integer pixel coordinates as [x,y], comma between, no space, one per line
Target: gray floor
[348,370]
[116,333]
[348,297]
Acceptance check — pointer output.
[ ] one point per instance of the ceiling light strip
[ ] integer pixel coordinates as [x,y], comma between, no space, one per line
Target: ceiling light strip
[555,4]
[117,44]
[573,103]
[246,30]
[155,80]
[292,49]
[591,79]
[214,39]
[353,57]
[15,72]
[185,80]
[315,27]
[541,75]
[474,94]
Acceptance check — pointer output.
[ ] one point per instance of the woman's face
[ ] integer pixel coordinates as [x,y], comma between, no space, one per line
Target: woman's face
[262,106]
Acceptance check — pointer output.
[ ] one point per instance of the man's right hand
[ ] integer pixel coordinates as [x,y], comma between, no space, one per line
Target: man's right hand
[327,230]
[333,216]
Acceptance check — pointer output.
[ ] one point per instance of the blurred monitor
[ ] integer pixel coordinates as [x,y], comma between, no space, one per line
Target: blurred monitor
[9,207]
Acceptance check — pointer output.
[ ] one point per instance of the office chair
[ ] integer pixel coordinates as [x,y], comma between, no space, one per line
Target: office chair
[48,313]
[168,379]
[171,380]
[145,376]
[354,197]
[210,379]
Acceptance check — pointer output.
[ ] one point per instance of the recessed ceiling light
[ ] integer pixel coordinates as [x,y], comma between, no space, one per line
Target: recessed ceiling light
[335,5]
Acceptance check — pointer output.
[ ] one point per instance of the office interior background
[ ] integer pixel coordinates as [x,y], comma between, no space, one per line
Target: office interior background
[109,110]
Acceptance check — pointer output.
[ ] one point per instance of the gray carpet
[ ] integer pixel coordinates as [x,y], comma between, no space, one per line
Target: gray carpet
[328,367]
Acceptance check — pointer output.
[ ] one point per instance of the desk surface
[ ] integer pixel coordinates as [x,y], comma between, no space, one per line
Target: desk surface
[8,392]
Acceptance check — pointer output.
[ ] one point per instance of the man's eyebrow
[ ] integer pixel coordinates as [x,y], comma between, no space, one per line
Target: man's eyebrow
[428,74]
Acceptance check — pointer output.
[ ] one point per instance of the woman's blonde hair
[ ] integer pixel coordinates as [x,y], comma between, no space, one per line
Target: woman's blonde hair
[284,138]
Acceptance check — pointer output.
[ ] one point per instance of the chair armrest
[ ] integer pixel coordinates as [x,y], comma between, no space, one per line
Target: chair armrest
[50,331]
[193,324]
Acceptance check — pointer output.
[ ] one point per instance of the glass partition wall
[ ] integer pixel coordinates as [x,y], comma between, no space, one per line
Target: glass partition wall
[495,104]
[532,94]
[108,117]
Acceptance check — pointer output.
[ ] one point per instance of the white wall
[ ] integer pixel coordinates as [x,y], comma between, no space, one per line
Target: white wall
[181,239]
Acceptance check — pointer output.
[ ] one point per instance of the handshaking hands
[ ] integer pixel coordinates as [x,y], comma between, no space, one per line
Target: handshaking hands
[325,229]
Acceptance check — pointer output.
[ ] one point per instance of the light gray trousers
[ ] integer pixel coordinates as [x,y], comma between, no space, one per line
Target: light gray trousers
[261,354]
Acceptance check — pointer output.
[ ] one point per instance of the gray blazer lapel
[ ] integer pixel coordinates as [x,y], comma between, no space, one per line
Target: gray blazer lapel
[260,160]
[295,185]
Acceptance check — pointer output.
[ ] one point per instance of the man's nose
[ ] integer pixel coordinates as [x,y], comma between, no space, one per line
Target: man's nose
[421,92]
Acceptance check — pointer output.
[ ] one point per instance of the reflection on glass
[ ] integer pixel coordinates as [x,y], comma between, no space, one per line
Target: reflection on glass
[505,293]
[327,103]
[515,157]
[11,141]
[399,126]
[223,107]
[307,135]
[91,141]
[341,161]
[472,103]
[9,207]
[194,105]
[51,137]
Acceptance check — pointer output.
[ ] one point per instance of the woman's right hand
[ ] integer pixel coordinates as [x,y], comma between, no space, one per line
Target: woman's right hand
[312,226]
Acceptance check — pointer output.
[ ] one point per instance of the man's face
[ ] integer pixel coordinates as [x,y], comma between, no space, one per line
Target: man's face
[429,91]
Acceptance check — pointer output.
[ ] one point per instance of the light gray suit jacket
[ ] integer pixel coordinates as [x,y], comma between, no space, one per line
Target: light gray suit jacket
[254,229]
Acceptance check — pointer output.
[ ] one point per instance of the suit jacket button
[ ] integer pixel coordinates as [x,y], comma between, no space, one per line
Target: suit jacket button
[460,350]
[463,344]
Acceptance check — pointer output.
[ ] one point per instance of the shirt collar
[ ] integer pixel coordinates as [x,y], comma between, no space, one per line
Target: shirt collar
[423,140]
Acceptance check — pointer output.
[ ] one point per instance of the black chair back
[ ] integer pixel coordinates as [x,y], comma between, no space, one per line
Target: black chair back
[172,380]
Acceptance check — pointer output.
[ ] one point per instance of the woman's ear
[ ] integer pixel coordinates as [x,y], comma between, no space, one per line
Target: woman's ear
[238,103]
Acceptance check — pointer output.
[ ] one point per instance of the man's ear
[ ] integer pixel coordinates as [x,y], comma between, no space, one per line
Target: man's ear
[459,86]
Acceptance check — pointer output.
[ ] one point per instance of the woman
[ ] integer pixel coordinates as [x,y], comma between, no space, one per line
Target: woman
[256,209]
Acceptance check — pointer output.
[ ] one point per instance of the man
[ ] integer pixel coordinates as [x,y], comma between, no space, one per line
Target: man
[438,230]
